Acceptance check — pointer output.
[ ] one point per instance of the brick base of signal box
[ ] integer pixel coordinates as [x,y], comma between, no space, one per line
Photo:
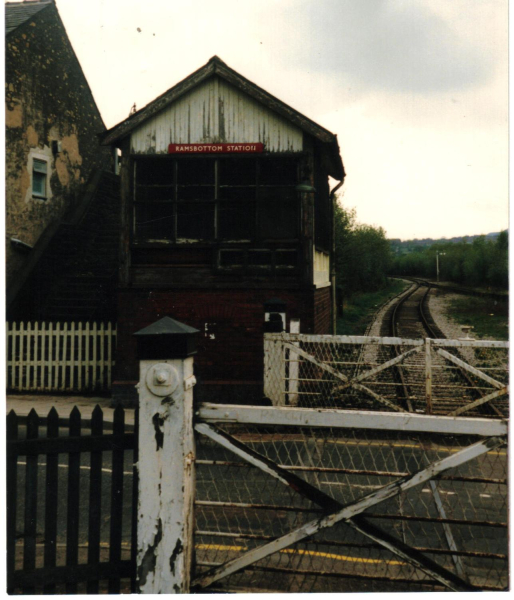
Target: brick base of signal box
[230,360]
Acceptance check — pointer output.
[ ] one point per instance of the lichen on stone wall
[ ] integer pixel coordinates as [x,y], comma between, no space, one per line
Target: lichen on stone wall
[47,99]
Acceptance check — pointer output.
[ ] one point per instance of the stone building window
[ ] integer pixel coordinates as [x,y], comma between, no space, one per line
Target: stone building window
[39,178]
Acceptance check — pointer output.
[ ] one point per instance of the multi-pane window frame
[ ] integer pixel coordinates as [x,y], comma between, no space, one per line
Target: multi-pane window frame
[39,178]
[175,196]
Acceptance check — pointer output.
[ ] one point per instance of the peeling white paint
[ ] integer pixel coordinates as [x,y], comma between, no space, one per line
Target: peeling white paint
[166,479]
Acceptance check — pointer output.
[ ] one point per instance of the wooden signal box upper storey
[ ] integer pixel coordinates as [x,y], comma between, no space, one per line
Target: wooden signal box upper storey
[213,179]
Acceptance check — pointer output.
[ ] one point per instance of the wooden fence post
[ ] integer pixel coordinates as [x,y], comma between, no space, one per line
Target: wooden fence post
[166,457]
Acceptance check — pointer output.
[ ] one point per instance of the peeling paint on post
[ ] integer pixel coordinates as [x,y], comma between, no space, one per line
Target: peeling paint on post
[166,458]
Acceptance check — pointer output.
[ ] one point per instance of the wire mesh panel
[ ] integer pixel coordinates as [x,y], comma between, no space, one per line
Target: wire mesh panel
[456,521]
[389,374]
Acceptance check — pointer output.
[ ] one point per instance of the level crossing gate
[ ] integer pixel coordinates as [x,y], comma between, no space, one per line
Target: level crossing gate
[313,498]
[306,500]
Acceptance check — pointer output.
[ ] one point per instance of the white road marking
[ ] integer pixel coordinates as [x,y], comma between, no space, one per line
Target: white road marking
[85,467]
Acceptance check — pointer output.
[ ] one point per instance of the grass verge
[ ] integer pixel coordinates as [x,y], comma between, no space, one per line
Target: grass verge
[489,318]
[358,310]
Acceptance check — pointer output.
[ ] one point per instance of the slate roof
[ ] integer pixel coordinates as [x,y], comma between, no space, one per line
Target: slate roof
[17,13]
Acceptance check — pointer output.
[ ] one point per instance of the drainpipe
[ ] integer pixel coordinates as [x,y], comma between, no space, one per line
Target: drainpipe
[333,257]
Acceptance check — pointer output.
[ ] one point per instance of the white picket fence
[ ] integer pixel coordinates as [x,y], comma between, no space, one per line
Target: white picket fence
[60,357]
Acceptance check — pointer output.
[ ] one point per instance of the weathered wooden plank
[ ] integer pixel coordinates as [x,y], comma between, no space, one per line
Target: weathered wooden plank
[472,370]
[126,183]
[44,352]
[56,366]
[30,518]
[94,361]
[37,368]
[471,344]
[294,367]
[378,397]
[274,372]
[116,498]
[95,500]
[64,359]
[50,356]
[109,355]
[343,339]
[382,367]
[51,499]
[102,356]
[347,419]
[72,513]
[80,362]
[21,342]
[87,362]
[73,342]
[389,491]
[166,478]
[480,401]
[383,341]
[28,357]
[135,501]
[12,500]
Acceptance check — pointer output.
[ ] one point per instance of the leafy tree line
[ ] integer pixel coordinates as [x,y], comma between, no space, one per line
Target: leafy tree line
[482,263]
[362,254]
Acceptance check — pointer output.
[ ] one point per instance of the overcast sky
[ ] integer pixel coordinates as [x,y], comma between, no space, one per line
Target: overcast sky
[416,90]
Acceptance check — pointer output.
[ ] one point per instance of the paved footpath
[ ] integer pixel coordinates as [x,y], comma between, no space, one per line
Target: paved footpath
[22,404]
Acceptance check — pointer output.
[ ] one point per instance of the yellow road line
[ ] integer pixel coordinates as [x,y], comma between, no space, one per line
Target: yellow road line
[313,553]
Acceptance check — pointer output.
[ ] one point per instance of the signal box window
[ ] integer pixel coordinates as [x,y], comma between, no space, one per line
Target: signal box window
[208,199]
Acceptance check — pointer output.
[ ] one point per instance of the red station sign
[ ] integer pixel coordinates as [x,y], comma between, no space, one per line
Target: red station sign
[215,148]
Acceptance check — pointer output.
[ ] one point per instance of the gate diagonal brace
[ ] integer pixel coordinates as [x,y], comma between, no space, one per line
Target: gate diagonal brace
[474,371]
[343,378]
[350,514]
[382,367]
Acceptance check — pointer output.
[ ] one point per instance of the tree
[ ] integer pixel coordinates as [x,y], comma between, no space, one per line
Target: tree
[363,254]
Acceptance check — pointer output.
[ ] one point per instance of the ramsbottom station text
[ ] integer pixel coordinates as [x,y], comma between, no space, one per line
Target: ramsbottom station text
[212,148]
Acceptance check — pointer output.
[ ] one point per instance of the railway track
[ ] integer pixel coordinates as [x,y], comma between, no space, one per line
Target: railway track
[452,386]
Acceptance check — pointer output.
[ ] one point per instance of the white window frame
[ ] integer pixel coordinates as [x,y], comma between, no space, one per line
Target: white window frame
[38,164]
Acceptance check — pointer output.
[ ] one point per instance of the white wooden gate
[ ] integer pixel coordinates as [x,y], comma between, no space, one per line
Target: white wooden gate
[60,356]
[296,491]
[311,499]
[447,377]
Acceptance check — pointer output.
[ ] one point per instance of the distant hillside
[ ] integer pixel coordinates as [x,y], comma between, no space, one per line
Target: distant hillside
[404,247]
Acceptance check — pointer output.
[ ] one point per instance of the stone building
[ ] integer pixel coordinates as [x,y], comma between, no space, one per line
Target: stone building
[226,211]
[52,127]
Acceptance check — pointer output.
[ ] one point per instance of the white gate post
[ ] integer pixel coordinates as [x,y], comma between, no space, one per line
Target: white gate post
[294,365]
[428,376]
[166,457]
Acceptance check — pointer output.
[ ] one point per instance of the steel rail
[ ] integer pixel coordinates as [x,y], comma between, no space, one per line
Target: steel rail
[490,407]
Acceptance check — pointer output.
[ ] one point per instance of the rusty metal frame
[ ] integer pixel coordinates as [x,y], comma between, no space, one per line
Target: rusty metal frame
[351,513]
